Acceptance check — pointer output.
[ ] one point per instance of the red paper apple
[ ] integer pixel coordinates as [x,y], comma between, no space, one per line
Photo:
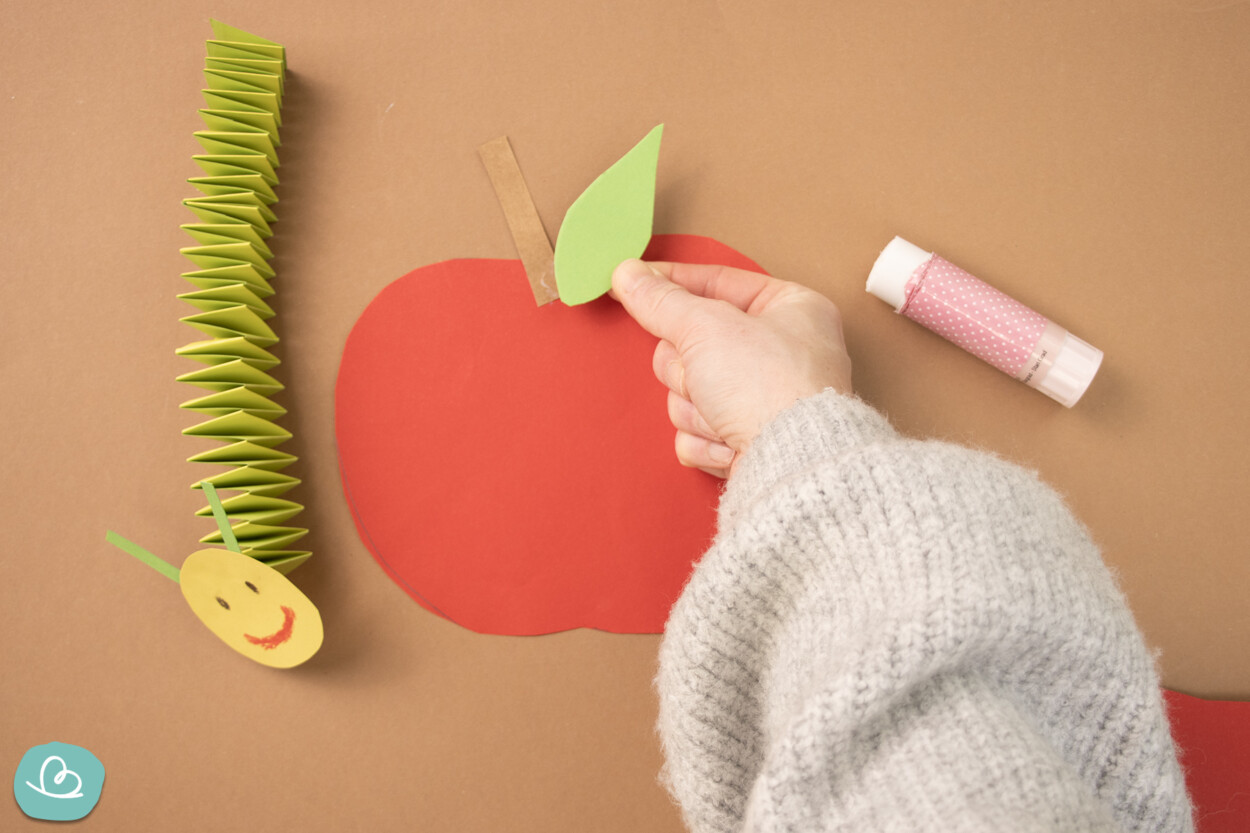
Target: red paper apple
[511,466]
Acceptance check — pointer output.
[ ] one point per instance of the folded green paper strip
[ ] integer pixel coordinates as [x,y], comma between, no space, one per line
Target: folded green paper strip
[245,79]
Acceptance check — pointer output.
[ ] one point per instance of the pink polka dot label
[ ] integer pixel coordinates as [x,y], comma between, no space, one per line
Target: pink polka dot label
[968,312]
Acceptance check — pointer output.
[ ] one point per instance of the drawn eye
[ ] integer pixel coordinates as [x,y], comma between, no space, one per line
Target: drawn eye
[223,603]
[251,587]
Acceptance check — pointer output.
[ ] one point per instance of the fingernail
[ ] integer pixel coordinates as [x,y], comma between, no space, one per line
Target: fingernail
[722,455]
[629,273]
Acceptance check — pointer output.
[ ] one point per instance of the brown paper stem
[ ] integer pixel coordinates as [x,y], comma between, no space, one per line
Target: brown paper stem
[526,226]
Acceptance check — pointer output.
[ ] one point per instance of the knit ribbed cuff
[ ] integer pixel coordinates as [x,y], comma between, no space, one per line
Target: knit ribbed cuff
[812,431]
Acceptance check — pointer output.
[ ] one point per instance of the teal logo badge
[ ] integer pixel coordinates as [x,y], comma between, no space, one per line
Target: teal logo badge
[58,782]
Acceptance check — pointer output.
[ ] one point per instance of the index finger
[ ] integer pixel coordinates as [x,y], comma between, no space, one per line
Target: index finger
[740,287]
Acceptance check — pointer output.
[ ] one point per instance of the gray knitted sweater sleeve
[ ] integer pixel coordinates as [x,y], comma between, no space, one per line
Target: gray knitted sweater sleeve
[897,635]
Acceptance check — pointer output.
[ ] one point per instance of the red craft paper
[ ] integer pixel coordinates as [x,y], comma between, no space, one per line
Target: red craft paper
[511,466]
[1213,737]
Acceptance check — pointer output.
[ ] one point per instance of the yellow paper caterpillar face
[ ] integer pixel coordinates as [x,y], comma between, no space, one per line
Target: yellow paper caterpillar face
[251,607]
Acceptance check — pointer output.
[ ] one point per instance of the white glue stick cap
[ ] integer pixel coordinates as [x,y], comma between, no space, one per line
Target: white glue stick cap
[897,262]
[1076,362]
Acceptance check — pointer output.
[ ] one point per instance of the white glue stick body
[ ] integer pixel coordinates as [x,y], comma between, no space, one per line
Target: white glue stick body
[966,311]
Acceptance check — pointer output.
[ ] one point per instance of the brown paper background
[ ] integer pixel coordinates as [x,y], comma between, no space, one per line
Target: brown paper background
[1088,157]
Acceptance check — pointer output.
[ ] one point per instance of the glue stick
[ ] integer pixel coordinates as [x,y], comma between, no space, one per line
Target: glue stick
[982,320]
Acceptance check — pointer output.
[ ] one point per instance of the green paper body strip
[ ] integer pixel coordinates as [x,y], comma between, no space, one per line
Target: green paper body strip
[219,515]
[608,223]
[245,83]
[159,564]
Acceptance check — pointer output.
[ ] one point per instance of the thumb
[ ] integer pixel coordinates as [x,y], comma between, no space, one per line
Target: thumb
[663,308]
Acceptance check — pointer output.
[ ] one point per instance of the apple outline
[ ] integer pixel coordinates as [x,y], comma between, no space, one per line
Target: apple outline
[381,416]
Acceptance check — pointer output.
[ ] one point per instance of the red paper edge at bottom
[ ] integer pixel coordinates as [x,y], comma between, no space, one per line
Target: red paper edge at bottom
[1213,740]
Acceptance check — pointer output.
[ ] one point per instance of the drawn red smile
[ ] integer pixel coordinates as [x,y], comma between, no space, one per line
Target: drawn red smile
[276,638]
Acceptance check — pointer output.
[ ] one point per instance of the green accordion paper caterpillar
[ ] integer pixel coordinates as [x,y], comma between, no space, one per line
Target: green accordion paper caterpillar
[245,77]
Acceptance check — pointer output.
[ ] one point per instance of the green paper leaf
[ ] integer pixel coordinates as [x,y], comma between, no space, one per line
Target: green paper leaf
[608,223]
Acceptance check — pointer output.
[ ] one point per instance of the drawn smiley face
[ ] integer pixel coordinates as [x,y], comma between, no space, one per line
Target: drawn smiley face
[251,607]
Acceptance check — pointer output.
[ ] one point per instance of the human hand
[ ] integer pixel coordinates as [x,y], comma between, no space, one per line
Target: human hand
[736,349]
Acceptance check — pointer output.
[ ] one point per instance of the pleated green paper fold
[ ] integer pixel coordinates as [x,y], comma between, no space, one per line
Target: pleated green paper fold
[245,81]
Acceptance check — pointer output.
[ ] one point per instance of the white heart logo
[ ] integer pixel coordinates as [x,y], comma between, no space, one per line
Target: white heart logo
[57,779]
